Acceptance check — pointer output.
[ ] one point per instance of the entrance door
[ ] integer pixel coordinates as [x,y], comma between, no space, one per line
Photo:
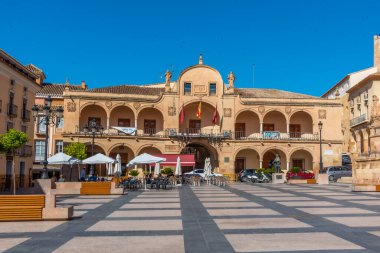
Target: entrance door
[8,175]
[22,174]
[194,126]
[239,130]
[299,163]
[239,164]
[295,130]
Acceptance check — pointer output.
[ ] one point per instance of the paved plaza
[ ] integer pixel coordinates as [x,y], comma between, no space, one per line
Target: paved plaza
[236,218]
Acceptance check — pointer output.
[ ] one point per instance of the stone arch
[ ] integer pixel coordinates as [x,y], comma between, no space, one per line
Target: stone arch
[206,123]
[300,122]
[150,149]
[246,158]
[93,103]
[276,120]
[301,158]
[126,154]
[269,154]
[201,151]
[122,115]
[150,121]
[93,111]
[247,123]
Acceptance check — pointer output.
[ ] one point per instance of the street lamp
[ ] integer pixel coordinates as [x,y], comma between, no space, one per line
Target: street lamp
[93,129]
[320,125]
[49,117]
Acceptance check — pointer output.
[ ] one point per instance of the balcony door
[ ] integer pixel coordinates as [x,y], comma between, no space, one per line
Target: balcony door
[124,122]
[239,130]
[149,126]
[268,127]
[295,130]
[194,126]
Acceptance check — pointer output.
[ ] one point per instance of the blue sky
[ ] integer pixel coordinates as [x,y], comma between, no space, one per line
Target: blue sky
[303,46]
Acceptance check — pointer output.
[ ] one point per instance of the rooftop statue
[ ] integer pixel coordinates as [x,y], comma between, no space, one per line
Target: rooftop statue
[231,79]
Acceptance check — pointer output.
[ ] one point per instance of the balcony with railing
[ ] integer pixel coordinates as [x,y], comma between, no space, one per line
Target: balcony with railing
[123,132]
[12,110]
[198,133]
[359,120]
[25,115]
[275,135]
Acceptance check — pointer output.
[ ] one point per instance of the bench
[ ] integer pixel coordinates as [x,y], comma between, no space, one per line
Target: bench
[21,207]
[95,188]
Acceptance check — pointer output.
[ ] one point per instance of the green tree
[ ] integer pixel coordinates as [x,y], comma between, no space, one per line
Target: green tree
[10,142]
[76,150]
[133,173]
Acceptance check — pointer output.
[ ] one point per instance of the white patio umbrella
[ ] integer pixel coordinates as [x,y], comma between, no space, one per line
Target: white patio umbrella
[118,165]
[145,159]
[99,159]
[109,169]
[61,159]
[178,170]
[157,169]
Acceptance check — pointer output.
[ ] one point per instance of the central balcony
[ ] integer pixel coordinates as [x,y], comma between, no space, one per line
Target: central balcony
[198,133]
[358,120]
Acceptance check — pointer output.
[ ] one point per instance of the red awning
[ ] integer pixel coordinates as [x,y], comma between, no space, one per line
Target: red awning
[171,160]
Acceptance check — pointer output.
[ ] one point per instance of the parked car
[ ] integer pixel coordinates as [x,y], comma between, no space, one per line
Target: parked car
[346,159]
[304,174]
[336,172]
[201,173]
[244,175]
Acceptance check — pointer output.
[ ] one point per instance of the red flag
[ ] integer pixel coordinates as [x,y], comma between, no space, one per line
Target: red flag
[215,117]
[182,115]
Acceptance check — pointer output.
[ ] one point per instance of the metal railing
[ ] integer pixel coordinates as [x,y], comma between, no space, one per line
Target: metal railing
[360,119]
[275,135]
[25,115]
[12,110]
[150,131]
[198,133]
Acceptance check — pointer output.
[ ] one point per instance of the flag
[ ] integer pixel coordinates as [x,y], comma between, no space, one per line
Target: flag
[182,115]
[215,117]
[199,111]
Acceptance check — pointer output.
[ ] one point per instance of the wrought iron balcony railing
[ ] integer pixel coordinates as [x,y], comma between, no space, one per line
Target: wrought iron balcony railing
[275,135]
[26,151]
[25,115]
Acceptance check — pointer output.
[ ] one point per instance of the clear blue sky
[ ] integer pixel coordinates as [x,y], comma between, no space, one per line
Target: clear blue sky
[302,46]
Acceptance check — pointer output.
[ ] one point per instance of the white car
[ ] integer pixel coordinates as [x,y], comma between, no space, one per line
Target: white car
[201,173]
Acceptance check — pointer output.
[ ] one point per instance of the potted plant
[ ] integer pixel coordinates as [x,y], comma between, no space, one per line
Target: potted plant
[133,173]
[167,171]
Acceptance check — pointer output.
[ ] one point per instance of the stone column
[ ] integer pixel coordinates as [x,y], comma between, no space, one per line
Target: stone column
[261,127]
[261,164]
[108,123]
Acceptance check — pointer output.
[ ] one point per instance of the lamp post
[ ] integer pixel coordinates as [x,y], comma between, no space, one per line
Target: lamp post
[93,129]
[49,117]
[320,125]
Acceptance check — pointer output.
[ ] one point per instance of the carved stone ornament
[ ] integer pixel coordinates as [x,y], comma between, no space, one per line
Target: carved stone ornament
[227,112]
[136,105]
[199,89]
[172,111]
[322,114]
[261,109]
[108,104]
[288,109]
[71,106]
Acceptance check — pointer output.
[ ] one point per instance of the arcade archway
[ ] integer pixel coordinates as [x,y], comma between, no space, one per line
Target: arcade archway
[201,152]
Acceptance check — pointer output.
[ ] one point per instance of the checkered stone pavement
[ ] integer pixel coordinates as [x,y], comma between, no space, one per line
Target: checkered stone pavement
[235,218]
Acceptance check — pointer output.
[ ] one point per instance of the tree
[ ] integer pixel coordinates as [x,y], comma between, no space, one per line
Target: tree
[76,150]
[10,142]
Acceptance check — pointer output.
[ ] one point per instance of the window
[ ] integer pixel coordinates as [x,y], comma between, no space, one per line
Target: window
[212,89]
[60,122]
[187,89]
[24,129]
[58,146]
[239,130]
[39,149]
[295,130]
[149,126]
[194,126]
[123,122]
[10,125]
[41,125]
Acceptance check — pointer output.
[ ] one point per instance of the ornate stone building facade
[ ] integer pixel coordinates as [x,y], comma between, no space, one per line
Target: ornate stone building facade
[237,128]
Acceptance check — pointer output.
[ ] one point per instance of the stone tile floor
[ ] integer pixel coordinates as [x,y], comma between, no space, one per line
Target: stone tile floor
[236,218]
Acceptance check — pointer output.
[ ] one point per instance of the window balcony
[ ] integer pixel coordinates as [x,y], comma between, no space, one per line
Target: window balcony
[26,151]
[198,133]
[275,135]
[358,120]
[25,115]
[12,110]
